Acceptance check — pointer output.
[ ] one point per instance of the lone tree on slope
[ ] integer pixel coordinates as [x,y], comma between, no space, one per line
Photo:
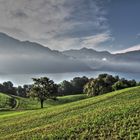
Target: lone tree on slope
[43,89]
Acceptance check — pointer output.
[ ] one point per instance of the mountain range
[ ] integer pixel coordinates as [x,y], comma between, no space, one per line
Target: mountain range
[23,57]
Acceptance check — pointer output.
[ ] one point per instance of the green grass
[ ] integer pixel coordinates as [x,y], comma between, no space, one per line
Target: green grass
[4,102]
[111,116]
[30,104]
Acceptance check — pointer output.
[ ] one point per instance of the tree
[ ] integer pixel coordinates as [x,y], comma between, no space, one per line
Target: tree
[8,88]
[123,83]
[65,88]
[1,88]
[78,84]
[102,84]
[75,86]
[91,88]
[43,89]
[119,85]
[22,91]
[132,83]
[27,88]
[138,84]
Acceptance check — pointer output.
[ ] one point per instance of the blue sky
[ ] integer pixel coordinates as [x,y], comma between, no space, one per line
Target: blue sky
[124,21]
[111,25]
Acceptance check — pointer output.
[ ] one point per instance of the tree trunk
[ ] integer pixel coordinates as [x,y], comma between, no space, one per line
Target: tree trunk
[41,101]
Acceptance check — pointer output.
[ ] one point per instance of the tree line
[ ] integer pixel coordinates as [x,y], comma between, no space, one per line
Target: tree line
[9,88]
[43,88]
[105,83]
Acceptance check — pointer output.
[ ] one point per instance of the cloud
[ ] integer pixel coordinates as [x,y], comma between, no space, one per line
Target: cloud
[96,40]
[19,14]
[133,48]
[56,24]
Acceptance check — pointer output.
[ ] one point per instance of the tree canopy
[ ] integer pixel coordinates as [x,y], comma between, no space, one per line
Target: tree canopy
[43,89]
[105,83]
[75,86]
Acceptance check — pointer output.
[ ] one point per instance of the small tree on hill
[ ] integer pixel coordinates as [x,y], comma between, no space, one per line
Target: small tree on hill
[43,89]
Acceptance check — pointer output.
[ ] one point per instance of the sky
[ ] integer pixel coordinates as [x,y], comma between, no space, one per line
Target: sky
[112,25]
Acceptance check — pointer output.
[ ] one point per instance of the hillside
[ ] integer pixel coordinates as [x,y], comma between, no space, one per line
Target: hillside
[29,103]
[114,115]
[6,102]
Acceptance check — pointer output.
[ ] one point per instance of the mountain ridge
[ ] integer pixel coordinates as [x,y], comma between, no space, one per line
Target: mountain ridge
[29,57]
[4,36]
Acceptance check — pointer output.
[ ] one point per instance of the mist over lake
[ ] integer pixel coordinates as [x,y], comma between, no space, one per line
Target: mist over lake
[21,79]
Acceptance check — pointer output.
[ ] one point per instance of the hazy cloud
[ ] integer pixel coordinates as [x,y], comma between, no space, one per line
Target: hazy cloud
[57,24]
[96,40]
[19,14]
[133,48]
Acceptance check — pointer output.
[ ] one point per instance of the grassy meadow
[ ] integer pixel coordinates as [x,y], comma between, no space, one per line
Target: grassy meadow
[5,102]
[110,116]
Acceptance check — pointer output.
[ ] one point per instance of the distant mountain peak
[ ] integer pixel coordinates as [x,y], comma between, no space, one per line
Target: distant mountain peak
[4,36]
[6,41]
[85,48]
